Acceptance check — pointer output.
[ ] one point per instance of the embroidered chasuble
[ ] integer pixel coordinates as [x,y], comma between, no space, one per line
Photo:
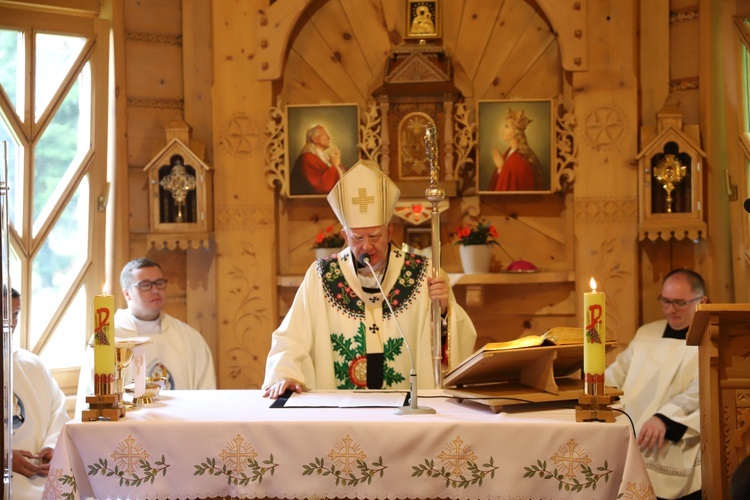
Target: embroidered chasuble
[338,335]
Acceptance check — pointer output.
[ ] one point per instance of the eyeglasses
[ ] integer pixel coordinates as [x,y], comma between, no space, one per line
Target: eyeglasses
[372,239]
[146,285]
[678,303]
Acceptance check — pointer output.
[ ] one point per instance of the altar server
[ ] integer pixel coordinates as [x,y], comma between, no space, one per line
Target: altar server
[339,333]
[658,373]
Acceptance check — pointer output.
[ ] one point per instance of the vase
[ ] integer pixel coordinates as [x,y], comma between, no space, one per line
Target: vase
[322,253]
[476,258]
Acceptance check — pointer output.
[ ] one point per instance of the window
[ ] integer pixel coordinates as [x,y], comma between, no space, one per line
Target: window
[53,76]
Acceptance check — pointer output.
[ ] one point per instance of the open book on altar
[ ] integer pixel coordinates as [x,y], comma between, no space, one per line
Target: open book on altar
[535,368]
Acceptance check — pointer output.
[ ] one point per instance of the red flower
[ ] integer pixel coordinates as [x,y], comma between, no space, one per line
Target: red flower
[329,239]
[481,234]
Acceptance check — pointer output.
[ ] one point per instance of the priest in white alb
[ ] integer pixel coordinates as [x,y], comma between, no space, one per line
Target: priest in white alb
[339,333]
[658,373]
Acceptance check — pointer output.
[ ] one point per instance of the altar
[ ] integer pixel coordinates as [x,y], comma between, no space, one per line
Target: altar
[198,444]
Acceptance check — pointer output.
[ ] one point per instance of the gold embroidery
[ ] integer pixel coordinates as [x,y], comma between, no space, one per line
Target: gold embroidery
[236,454]
[128,454]
[346,453]
[457,455]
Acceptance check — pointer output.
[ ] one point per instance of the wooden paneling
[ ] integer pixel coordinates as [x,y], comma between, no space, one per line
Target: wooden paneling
[478,23]
[154,16]
[154,70]
[336,53]
[146,134]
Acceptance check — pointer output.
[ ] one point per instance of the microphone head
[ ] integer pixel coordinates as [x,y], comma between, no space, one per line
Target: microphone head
[747,205]
[364,259]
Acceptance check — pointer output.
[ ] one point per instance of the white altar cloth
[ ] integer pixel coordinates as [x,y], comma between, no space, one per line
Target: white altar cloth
[198,444]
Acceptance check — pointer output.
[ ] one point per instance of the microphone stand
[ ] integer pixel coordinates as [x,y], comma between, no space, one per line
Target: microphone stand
[435,195]
[413,408]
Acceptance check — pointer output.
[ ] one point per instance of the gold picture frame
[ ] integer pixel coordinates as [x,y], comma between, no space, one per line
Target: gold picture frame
[340,123]
[422,19]
[529,168]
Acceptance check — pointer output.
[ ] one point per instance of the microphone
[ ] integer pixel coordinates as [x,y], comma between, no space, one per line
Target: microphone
[747,205]
[413,408]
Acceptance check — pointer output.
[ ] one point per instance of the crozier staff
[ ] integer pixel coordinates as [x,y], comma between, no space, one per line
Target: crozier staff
[339,334]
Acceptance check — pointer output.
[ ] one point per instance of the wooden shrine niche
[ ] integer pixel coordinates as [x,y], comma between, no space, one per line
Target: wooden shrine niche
[671,180]
[180,191]
[417,90]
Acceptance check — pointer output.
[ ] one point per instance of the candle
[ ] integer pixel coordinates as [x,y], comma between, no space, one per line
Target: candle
[104,344]
[593,341]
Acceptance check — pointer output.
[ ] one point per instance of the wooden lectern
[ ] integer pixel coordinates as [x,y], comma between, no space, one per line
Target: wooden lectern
[532,369]
[722,332]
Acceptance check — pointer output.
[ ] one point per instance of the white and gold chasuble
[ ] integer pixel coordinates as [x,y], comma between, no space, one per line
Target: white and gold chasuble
[333,324]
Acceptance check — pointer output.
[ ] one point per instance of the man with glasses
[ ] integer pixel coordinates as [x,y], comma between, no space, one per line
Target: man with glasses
[177,351]
[658,373]
[339,332]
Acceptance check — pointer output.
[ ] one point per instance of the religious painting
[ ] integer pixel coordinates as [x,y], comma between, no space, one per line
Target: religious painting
[422,19]
[322,143]
[418,240]
[412,154]
[515,146]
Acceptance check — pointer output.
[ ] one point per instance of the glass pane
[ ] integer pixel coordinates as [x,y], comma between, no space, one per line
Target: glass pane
[55,55]
[12,67]
[59,261]
[15,175]
[66,346]
[59,152]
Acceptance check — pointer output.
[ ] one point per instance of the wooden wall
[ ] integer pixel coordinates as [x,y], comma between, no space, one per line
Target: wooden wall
[222,65]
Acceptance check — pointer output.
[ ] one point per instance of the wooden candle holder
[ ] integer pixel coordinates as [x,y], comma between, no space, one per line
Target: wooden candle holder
[595,408]
[103,407]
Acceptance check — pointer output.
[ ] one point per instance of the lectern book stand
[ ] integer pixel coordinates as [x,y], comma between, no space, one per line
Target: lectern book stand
[533,369]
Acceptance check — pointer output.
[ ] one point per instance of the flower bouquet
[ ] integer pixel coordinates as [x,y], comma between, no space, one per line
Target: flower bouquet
[329,239]
[328,243]
[483,233]
[475,249]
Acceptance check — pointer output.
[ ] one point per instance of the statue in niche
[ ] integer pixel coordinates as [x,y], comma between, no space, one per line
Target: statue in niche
[177,191]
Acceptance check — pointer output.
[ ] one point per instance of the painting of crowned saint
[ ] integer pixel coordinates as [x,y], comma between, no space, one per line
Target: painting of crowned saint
[515,144]
[322,142]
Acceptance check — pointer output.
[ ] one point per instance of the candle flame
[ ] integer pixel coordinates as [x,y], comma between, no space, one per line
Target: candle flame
[593,284]
[104,288]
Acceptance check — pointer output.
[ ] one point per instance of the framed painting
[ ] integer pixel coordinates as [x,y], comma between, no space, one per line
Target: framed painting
[422,19]
[418,240]
[515,146]
[412,156]
[322,143]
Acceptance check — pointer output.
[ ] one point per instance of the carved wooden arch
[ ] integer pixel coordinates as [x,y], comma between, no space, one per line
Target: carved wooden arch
[278,21]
